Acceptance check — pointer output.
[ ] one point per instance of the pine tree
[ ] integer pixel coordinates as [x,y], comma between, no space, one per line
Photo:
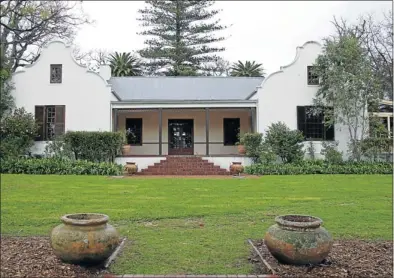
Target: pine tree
[180,35]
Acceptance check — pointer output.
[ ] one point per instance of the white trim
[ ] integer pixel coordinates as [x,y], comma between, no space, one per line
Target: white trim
[383,114]
[131,105]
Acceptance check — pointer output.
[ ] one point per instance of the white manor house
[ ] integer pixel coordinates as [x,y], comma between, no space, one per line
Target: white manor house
[198,117]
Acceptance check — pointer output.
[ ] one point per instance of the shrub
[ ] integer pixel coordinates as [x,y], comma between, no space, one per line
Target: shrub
[252,143]
[311,150]
[285,143]
[17,133]
[320,167]
[54,166]
[94,146]
[330,152]
[373,148]
[59,149]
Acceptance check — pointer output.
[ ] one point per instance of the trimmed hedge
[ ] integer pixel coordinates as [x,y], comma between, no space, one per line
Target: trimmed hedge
[95,146]
[312,168]
[52,166]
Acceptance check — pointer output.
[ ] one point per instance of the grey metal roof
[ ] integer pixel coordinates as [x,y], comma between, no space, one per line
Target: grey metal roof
[184,88]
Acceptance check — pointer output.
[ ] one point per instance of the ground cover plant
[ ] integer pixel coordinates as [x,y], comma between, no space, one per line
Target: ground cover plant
[196,225]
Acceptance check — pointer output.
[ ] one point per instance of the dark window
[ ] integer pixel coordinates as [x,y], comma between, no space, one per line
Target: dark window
[313,79]
[134,131]
[56,73]
[50,120]
[231,128]
[312,124]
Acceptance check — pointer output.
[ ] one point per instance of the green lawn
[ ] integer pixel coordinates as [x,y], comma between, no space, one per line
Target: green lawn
[162,216]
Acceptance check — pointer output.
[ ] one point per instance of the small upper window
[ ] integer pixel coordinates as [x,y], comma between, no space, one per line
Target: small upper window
[313,78]
[56,73]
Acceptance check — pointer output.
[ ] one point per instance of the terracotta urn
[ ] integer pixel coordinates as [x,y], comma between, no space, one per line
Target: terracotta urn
[298,240]
[84,238]
[131,168]
[241,149]
[236,168]
[126,150]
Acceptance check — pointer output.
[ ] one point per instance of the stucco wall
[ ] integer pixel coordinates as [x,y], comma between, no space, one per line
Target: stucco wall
[150,129]
[283,91]
[86,95]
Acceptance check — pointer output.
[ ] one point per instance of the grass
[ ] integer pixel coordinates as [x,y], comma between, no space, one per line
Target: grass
[162,216]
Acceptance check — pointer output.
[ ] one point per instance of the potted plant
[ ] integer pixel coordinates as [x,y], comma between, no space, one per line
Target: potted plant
[128,136]
[240,144]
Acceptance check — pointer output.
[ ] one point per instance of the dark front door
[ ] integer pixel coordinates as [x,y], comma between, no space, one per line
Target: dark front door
[180,137]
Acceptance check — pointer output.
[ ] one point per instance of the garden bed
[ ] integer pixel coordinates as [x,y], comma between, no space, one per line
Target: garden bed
[33,257]
[348,258]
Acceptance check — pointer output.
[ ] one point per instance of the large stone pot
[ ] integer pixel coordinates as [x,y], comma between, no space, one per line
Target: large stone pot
[84,238]
[298,240]
[131,168]
[236,168]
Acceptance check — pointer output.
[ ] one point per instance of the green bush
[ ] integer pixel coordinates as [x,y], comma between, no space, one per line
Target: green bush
[94,146]
[17,133]
[285,143]
[54,166]
[320,167]
[252,143]
[330,152]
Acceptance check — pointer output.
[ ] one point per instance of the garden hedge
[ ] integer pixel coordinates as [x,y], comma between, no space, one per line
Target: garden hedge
[95,146]
[52,166]
[310,168]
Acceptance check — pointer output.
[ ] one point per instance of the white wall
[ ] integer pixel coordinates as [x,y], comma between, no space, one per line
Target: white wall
[85,94]
[282,91]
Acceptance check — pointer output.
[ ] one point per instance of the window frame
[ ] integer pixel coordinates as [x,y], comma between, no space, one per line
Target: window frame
[141,128]
[224,131]
[53,81]
[303,126]
[59,112]
[310,77]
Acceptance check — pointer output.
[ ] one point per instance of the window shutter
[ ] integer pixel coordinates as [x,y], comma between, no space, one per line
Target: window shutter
[330,135]
[60,119]
[301,119]
[39,118]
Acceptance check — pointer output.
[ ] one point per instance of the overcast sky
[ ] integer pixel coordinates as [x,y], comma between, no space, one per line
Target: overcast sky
[265,31]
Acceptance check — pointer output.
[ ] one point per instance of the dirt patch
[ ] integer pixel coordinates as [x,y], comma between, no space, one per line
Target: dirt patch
[348,258]
[33,257]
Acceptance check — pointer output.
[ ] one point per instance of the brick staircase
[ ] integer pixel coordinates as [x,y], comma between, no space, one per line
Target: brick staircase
[184,165]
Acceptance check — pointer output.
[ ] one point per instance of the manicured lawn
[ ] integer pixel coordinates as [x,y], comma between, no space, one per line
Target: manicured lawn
[163,217]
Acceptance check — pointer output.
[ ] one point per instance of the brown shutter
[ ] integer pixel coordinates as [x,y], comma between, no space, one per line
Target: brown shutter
[39,117]
[301,126]
[60,119]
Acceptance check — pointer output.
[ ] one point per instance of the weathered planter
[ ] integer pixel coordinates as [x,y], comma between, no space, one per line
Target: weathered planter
[298,240]
[131,168]
[236,168]
[84,238]
[126,150]
[241,149]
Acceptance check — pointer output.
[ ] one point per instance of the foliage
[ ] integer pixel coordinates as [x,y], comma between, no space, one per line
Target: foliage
[252,143]
[26,26]
[376,36]
[124,64]
[57,148]
[217,67]
[320,167]
[55,166]
[180,35]
[311,150]
[17,133]
[6,86]
[330,152]
[285,143]
[267,155]
[247,69]
[348,83]
[94,146]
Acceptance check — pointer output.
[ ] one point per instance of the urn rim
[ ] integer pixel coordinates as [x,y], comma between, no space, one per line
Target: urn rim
[85,219]
[298,221]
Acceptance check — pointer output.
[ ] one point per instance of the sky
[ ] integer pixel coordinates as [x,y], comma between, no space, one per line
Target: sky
[267,32]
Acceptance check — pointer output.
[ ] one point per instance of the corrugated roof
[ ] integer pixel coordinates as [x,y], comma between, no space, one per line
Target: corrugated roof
[184,88]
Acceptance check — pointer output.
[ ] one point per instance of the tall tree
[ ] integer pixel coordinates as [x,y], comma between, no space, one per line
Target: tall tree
[247,69]
[376,36]
[181,34]
[27,25]
[217,67]
[347,83]
[93,59]
[124,64]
